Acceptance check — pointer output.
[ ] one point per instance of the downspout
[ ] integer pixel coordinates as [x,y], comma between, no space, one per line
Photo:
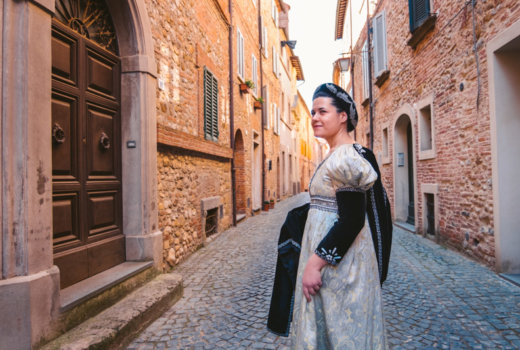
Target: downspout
[260,37]
[370,98]
[232,115]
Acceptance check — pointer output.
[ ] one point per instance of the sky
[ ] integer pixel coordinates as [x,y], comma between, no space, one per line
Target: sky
[312,25]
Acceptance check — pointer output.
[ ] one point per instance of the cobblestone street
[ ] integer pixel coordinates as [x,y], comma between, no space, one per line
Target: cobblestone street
[434,298]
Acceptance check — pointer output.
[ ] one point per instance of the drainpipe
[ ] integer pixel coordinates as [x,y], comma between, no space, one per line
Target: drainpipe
[232,115]
[370,99]
[261,94]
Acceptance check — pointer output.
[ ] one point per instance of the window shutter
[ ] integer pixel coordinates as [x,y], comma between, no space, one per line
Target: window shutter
[210,106]
[265,109]
[255,73]
[419,12]
[379,44]
[214,111]
[240,53]
[366,80]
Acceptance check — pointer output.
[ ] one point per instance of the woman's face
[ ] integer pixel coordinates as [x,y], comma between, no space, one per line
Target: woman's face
[326,121]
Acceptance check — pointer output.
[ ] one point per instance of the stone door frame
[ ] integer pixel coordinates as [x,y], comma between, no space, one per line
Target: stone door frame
[504,141]
[29,277]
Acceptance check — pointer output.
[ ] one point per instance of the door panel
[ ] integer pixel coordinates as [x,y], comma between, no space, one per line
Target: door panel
[64,58]
[73,265]
[101,140]
[103,210]
[65,218]
[104,256]
[64,152]
[101,74]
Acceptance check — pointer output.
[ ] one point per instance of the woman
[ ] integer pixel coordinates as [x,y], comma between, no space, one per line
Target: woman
[338,301]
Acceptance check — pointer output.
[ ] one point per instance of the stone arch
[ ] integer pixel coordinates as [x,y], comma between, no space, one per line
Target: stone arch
[240,173]
[404,171]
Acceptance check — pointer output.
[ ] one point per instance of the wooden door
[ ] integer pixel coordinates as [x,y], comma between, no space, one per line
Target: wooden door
[86,155]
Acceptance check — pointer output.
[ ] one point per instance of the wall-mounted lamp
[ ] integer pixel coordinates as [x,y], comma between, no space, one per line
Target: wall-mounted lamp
[343,64]
[290,43]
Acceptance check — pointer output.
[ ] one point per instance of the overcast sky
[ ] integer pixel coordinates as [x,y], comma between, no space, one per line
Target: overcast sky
[311,24]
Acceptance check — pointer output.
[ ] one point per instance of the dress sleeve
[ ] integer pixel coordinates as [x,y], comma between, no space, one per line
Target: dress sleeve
[350,175]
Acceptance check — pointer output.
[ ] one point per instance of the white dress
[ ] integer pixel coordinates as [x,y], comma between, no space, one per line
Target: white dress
[347,311]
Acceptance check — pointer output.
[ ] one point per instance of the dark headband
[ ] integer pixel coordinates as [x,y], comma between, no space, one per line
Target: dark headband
[342,100]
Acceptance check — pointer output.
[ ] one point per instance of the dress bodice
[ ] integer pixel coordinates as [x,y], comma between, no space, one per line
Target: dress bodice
[344,169]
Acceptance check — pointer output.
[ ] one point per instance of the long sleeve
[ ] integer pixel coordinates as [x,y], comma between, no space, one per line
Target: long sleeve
[351,212]
[351,176]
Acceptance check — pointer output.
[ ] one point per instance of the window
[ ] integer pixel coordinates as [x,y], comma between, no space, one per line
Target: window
[240,53]
[210,106]
[264,42]
[254,74]
[379,43]
[426,128]
[265,111]
[419,13]
[366,78]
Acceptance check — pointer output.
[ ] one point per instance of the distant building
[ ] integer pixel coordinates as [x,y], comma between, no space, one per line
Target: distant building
[445,94]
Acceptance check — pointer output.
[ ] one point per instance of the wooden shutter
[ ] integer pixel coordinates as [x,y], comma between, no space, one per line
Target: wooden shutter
[265,109]
[366,80]
[210,106]
[379,43]
[419,12]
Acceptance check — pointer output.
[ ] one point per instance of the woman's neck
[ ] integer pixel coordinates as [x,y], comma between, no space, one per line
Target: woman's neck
[340,139]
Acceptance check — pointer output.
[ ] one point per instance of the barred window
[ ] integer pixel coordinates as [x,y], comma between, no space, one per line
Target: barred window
[210,106]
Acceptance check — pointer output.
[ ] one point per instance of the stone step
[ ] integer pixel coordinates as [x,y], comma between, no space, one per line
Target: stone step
[116,326]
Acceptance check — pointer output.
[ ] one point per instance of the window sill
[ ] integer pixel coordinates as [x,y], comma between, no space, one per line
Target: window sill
[382,77]
[427,154]
[365,102]
[420,32]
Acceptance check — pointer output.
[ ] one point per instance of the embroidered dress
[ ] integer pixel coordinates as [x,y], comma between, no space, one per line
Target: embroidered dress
[346,313]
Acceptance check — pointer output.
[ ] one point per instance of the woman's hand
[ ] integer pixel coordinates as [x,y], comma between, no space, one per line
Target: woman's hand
[312,277]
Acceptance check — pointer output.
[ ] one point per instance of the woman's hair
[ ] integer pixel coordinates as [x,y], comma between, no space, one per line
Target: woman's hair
[341,100]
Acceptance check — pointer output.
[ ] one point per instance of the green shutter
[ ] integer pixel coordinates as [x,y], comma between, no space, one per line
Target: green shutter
[419,12]
[210,106]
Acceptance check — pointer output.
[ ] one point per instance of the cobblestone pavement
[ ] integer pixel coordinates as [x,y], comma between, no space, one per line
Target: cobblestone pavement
[434,298]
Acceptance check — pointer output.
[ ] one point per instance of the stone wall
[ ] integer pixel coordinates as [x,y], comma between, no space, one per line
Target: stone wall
[190,36]
[184,180]
[442,67]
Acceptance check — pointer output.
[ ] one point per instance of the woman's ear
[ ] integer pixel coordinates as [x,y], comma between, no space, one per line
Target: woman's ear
[343,116]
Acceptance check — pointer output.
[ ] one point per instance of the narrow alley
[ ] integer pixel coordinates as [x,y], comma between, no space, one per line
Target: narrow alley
[434,298]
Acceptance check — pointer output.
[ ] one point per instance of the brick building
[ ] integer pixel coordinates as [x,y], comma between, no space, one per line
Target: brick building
[127,142]
[445,114]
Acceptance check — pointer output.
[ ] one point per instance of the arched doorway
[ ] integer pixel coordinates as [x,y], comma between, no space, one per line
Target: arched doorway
[240,174]
[86,146]
[404,170]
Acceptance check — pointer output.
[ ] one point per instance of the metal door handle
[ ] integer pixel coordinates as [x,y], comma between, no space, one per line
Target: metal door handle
[58,134]
[104,140]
